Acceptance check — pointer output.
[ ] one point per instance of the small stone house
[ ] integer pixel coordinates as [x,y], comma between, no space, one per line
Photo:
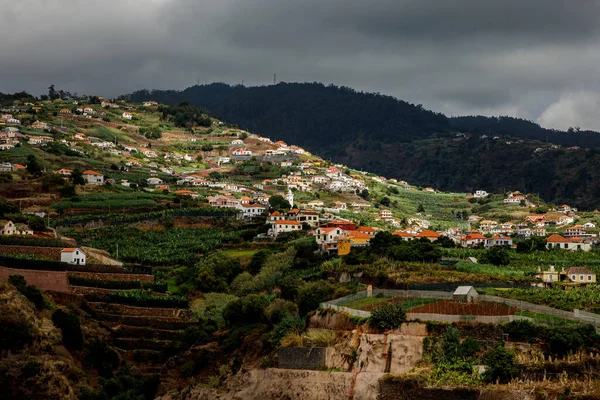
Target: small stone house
[465,294]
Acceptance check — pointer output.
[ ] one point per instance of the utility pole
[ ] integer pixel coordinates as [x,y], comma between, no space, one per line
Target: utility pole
[274,79]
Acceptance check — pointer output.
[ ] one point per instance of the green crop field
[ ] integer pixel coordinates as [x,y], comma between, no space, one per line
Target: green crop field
[169,247]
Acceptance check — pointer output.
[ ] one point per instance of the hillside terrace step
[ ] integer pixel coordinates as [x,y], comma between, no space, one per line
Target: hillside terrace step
[114,308]
[142,344]
[128,331]
[143,356]
[168,323]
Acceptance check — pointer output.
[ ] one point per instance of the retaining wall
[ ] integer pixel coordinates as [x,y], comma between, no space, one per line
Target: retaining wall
[112,308]
[45,280]
[314,358]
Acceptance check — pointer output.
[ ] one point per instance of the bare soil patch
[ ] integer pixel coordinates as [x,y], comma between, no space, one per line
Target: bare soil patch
[455,308]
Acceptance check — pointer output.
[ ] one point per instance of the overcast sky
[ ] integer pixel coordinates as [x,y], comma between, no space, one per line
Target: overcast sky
[536,59]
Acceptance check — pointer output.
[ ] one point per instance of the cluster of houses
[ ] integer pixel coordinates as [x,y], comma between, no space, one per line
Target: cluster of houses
[9,228]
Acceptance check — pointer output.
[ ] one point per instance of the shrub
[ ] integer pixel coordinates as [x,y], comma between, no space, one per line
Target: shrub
[247,310]
[312,294]
[16,330]
[32,293]
[71,329]
[279,310]
[288,325]
[388,316]
[500,364]
[497,255]
[102,357]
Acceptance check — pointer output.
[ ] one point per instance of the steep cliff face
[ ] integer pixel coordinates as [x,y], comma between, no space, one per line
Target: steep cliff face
[33,364]
[277,384]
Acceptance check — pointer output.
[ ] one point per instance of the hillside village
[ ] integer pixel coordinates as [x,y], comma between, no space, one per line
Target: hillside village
[202,260]
[330,202]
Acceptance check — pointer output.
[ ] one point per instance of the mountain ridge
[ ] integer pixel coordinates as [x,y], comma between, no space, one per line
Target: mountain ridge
[398,139]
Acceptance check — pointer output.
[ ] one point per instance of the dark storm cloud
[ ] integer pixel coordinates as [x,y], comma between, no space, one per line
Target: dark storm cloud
[531,58]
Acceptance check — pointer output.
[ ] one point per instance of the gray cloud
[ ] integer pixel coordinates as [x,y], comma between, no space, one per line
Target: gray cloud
[530,58]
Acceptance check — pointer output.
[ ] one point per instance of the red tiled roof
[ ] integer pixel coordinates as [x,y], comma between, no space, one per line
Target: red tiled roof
[403,234]
[359,235]
[556,238]
[428,233]
[475,236]
[287,222]
[90,172]
[366,229]
[578,270]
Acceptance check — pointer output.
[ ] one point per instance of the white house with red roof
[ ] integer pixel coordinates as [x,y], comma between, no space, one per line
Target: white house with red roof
[427,234]
[473,239]
[93,178]
[406,236]
[73,255]
[249,211]
[498,240]
[282,226]
[64,172]
[556,241]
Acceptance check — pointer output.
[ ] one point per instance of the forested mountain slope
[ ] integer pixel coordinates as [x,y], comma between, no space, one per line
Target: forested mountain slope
[392,137]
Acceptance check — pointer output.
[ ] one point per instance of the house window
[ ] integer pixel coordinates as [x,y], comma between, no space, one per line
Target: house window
[589,277]
[573,277]
[566,245]
[580,277]
[550,278]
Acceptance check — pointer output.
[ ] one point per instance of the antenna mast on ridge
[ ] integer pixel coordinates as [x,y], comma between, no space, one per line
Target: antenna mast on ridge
[274,79]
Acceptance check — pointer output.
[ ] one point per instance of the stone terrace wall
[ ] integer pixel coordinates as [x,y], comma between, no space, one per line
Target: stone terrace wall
[112,276]
[123,309]
[314,358]
[45,280]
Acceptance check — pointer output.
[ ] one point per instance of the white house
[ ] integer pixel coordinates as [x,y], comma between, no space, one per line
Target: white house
[23,229]
[285,226]
[556,241]
[385,214]
[72,255]
[250,210]
[480,194]
[127,115]
[154,181]
[7,227]
[93,177]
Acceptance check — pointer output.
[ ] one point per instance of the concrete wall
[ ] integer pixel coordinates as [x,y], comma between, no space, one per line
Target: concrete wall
[314,358]
[45,280]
